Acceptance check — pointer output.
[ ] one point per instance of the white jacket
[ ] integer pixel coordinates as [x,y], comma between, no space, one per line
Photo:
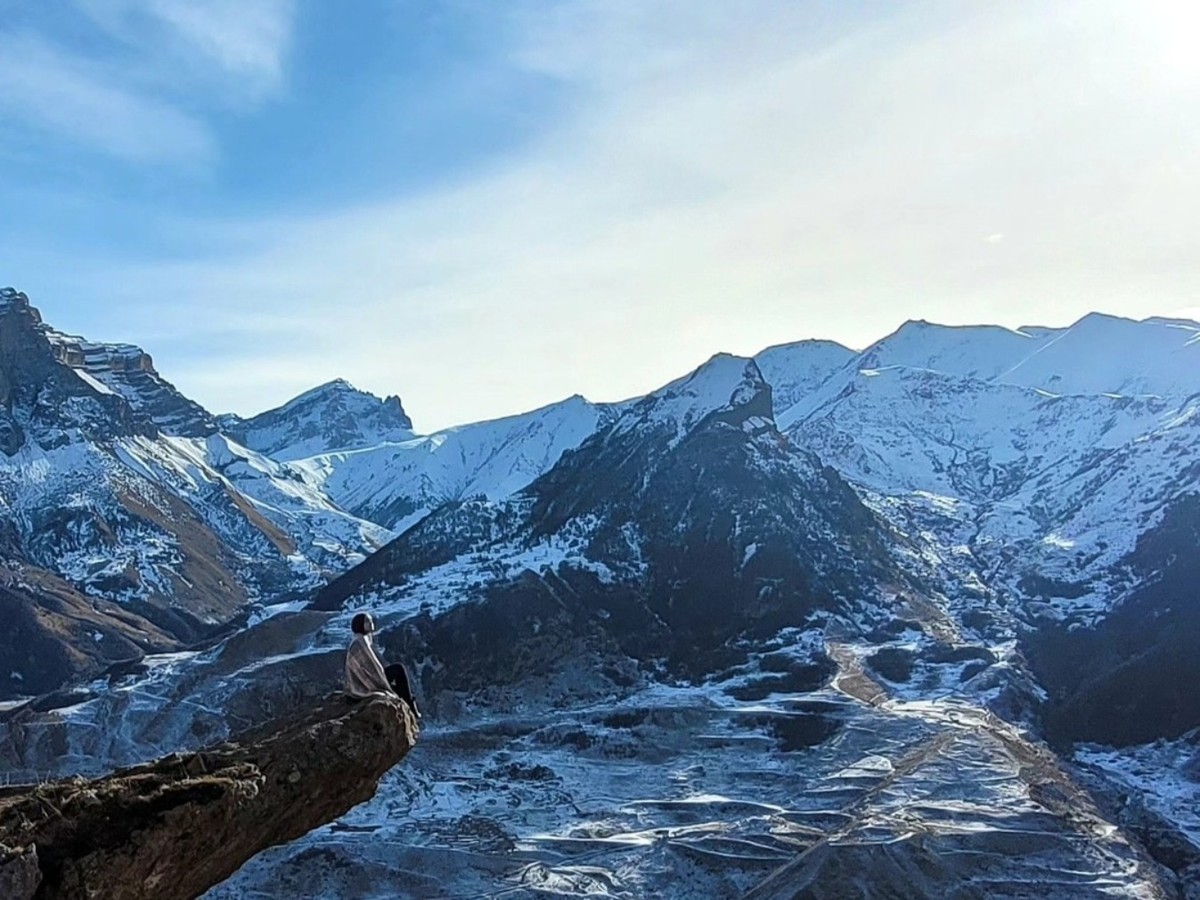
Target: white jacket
[364,671]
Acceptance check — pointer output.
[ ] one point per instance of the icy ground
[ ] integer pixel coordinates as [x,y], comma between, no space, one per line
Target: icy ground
[1164,776]
[690,792]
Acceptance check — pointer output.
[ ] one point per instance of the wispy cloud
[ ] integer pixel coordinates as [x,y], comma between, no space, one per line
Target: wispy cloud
[76,99]
[243,43]
[136,88]
[746,179]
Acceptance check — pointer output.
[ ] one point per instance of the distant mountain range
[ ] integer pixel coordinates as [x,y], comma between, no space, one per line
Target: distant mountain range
[968,535]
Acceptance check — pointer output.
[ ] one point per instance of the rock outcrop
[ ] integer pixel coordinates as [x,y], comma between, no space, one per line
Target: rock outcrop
[175,827]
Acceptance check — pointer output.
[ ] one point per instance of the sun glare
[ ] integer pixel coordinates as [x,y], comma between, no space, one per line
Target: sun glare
[1174,28]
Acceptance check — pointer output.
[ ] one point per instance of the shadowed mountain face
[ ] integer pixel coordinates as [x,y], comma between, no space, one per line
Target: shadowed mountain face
[690,515]
[1131,679]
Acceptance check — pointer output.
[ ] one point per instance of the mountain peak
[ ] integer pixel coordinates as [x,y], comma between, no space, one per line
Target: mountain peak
[723,384]
[797,370]
[330,388]
[971,351]
[332,416]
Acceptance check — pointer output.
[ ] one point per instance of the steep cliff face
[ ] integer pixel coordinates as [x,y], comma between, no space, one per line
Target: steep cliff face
[43,400]
[128,371]
[173,828]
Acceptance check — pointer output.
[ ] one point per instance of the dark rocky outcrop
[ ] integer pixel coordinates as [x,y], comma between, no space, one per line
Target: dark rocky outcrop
[1131,678]
[54,634]
[175,827]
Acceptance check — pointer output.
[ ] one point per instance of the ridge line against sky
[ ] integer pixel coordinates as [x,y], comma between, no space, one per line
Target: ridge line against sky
[487,207]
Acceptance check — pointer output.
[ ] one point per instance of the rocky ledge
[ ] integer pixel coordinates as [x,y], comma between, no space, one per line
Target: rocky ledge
[175,827]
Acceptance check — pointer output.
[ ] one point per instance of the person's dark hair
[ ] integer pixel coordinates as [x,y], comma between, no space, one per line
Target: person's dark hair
[362,624]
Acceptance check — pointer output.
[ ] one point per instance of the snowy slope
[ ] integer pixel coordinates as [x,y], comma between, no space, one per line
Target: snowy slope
[393,484]
[722,384]
[796,370]
[326,536]
[1052,450]
[983,352]
[1107,354]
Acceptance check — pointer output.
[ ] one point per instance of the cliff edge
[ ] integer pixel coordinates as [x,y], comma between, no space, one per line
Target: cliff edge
[175,827]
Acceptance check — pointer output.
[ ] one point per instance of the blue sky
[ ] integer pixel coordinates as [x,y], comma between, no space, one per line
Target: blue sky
[485,206]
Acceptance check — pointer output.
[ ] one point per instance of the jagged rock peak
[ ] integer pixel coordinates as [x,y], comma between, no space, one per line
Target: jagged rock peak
[11,298]
[107,372]
[724,384]
[176,827]
[330,417]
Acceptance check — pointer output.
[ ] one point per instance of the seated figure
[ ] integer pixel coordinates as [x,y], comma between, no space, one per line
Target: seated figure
[365,674]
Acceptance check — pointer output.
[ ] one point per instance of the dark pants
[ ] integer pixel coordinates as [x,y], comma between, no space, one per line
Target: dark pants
[397,677]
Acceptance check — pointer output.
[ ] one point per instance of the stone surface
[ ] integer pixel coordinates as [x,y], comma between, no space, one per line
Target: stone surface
[176,826]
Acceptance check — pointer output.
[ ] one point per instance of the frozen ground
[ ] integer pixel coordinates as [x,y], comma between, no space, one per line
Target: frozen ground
[1164,776]
[689,792]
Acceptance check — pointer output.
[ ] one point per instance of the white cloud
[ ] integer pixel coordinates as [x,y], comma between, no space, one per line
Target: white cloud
[243,43]
[725,180]
[178,55]
[76,99]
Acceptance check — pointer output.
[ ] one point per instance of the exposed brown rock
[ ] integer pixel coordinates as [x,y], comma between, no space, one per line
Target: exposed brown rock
[51,628]
[175,827]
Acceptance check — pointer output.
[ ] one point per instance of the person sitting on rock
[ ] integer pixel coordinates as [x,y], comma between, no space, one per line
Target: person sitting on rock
[365,674]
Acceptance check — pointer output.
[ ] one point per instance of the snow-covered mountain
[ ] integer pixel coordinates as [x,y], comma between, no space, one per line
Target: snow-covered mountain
[783,624]
[396,483]
[796,370]
[129,371]
[124,530]
[1051,491]
[123,496]
[333,416]
[689,512]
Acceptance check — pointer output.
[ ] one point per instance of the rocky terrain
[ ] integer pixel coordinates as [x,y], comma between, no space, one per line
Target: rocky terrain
[171,828]
[121,534]
[905,622]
